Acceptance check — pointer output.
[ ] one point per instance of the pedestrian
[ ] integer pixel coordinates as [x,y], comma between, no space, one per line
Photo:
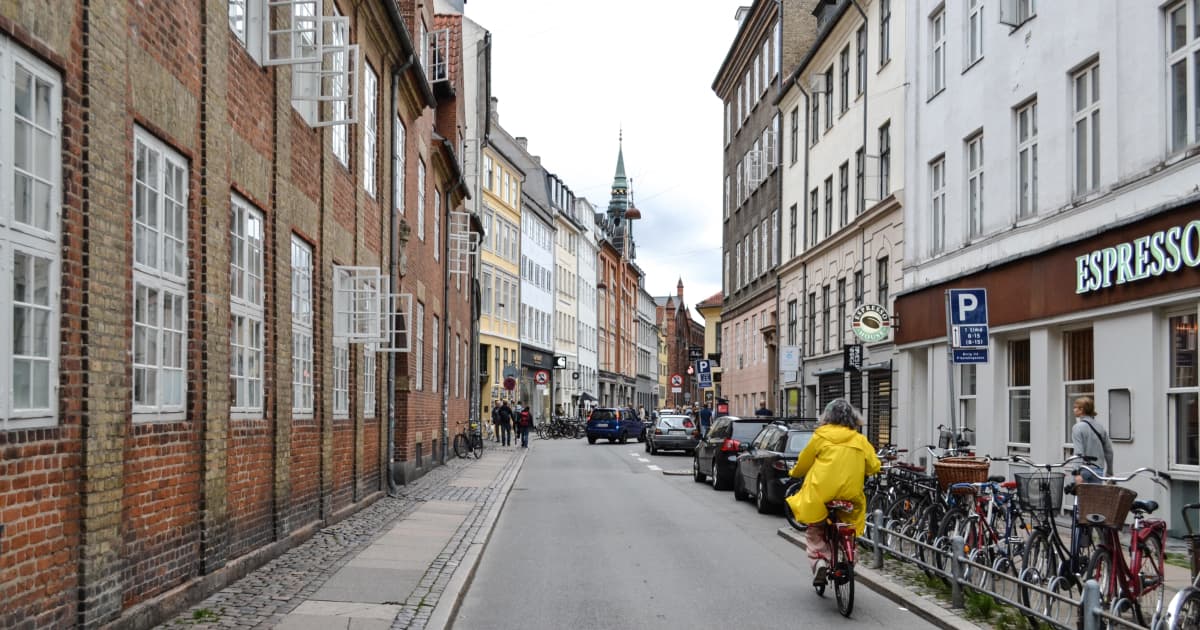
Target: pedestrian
[524,422]
[834,465]
[506,420]
[496,419]
[705,419]
[1091,440]
[763,410]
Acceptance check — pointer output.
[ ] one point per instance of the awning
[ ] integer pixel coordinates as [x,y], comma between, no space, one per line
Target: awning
[585,397]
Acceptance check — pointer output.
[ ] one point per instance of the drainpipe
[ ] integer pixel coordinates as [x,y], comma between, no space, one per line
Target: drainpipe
[394,255]
[804,220]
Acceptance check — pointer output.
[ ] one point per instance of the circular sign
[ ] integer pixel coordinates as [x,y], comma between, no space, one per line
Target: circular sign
[676,380]
[510,383]
[541,377]
[871,323]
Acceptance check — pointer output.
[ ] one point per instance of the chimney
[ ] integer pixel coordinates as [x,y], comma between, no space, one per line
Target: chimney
[523,143]
[495,109]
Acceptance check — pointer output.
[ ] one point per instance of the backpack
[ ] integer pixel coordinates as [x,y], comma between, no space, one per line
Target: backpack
[526,419]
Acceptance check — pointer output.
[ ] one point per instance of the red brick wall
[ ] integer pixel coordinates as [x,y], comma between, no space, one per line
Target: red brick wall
[161,508]
[343,463]
[305,475]
[369,467]
[170,31]
[306,158]
[251,110]
[249,475]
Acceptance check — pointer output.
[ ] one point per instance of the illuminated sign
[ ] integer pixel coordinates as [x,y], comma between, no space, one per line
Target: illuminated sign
[1165,251]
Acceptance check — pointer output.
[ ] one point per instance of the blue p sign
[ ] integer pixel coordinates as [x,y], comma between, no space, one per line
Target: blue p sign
[968,306]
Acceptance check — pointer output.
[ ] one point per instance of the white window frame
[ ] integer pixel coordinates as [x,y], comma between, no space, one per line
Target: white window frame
[1183,57]
[1013,394]
[1014,13]
[968,381]
[340,139]
[302,329]
[370,129]
[937,51]
[369,396]
[151,276]
[341,378]
[421,198]
[398,148]
[437,224]
[1027,159]
[1085,129]
[885,32]
[434,362]
[973,35]
[975,191]
[39,242]
[937,205]
[246,309]
[419,384]
[1175,389]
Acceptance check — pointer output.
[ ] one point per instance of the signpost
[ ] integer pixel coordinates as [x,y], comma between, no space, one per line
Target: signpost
[704,374]
[966,336]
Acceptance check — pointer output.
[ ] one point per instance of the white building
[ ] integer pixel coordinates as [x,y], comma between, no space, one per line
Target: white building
[1082,118]
[842,236]
[587,382]
[646,392]
[537,288]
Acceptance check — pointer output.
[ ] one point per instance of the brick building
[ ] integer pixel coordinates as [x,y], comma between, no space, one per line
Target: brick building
[684,339]
[208,220]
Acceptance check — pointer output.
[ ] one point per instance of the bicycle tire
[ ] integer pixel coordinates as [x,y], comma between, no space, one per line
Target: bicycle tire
[1184,612]
[460,445]
[477,446]
[1038,565]
[787,509]
[1100,568]
[843,588]
[1149,604]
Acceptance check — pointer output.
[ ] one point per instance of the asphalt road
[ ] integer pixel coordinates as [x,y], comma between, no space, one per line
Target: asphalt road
[595,537]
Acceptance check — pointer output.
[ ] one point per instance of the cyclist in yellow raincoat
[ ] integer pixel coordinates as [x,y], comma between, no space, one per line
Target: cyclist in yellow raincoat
[834,465]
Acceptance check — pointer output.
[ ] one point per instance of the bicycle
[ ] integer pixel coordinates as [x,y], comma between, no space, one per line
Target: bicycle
[841,539]
[1183,612]
[469,441]
[992,526]
[1126,585]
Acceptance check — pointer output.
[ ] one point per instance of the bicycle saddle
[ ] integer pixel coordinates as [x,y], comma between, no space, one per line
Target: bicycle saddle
[1145,506]
[841,506]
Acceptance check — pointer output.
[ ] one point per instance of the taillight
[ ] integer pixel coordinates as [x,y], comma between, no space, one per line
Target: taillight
[779,464]
[730,444]
[657,431]
[688,424]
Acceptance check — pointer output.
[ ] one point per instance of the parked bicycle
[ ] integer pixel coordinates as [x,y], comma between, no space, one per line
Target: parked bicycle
[469,441]
[842,552]
[1183,613]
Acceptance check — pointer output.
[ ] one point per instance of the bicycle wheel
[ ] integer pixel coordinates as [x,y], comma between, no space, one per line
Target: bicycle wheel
[477,446]
[460,445]
[787,509]
[950,525]
[1150,601]
[1185,609]
[1039,565]
[843,586]
[1100,568]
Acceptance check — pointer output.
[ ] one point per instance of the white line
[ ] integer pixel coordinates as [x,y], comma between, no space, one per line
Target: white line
[643,460]
[653,467]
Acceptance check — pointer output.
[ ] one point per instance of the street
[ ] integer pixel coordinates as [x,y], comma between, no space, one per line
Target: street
[598,537]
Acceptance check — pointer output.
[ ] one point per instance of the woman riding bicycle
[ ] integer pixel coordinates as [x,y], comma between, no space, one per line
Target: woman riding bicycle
[834,465]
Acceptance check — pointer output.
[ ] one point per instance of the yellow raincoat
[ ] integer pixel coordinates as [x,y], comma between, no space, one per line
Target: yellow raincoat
[834,465]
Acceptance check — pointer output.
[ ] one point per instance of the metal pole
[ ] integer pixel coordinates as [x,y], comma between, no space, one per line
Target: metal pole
[957,570]
[950,377]
[877,538]
[1090,606]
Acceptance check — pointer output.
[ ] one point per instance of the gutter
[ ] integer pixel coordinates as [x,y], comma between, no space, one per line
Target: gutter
[393,255]
[407,48]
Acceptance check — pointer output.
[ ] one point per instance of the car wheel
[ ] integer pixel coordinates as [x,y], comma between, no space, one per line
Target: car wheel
[739,487]
[612,440]
[760,500]
[718,482]
[591,440]
[697,476]
[624,438]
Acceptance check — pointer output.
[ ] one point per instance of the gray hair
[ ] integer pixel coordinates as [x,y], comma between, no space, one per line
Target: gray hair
[840,411]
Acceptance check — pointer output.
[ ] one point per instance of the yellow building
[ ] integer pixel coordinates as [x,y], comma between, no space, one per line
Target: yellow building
[664,390]
[710,310]
[500,267]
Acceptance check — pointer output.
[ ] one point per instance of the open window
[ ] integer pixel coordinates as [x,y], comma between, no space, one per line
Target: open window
[439,55]
[365,311]
[291,32]
[463,243]
[325,92]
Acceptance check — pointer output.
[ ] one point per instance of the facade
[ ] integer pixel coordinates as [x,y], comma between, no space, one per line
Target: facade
[710,311]
[536,318]
[585,374]
[843,229]
[1087,242]
[664,386]
[771,37]
[567,250]
[198,380]
[500,269]
[617,282]
[646,392]
[684,338]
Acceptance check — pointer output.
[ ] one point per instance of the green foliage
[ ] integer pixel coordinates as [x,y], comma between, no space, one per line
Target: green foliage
[980,605]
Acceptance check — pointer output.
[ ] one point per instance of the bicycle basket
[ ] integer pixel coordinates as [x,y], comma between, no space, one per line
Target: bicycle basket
[1040,490]
[952,470]
[1111,502]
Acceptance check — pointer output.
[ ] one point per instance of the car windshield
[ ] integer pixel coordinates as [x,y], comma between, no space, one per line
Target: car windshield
[796,441]
[745,431]
[675,422]
[603,414]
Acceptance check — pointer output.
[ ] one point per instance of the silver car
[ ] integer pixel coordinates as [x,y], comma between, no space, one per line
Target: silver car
[673,432]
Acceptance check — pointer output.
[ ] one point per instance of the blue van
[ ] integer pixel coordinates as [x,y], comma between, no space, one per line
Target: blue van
[615,424]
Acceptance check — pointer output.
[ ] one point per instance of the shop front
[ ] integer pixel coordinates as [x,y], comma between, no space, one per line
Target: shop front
[537,382]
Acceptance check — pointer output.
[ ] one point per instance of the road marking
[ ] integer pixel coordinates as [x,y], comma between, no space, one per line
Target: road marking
[643,460]
[653,467]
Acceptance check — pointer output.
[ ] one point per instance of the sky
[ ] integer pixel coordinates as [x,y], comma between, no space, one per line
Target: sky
[571,76]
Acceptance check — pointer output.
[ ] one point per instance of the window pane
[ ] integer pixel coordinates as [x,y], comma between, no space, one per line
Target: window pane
[1077,355]
[1183,351]
[1018,363]
[1182,412]
[1081,156]
[1178,87]
[1018,416]
[1178,27]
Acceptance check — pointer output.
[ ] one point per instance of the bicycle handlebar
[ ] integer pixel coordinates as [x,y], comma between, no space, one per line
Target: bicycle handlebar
[1158,476]
[1023,459]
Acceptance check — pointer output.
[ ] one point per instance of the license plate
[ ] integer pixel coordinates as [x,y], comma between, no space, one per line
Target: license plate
[602,425]
[676,432]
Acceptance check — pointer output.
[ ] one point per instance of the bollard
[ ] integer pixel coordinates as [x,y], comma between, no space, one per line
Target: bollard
[957,569]
[877,538]
[1090,605]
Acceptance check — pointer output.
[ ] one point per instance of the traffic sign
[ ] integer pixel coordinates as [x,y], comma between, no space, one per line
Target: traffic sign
[969,334]
[510,383]
[970,355]
[704,373]
[968,306]
[541,377]
[676,380]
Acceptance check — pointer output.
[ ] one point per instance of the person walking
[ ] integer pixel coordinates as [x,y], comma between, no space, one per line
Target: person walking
[763,410]
[496,419]
[1091,440]
[705,419]
[506,420]
[834,465]
[524,422]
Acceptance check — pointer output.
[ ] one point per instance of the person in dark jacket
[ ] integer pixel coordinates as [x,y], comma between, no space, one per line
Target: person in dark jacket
[762,410]
[496,418]
[705,419]
[506,421]
[524,423]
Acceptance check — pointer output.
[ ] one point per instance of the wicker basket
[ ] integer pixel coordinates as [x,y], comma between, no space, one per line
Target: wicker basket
[1111,502]
[952,470]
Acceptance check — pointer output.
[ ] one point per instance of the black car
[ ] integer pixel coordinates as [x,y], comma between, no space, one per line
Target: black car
[762,469]
[716,453]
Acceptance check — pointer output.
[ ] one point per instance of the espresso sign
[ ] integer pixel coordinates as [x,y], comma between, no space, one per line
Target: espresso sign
[1150,256]
[871,323]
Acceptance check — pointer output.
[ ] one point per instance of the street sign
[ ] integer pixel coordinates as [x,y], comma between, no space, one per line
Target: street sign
[968,325]
[510,383]
[676,380]
[541,377]
[695,353]
[704,373]
[852,358]
[970,355]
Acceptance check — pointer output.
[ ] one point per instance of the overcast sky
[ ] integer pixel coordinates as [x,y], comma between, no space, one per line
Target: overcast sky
[570,75]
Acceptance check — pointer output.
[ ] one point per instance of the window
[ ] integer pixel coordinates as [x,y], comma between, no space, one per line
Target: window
[1027,160]
[1182,390]
[937,206]
[302,332]
[844,88]
[1016,12]
[246,307]
[795,135]
[791,326]
[844,194]
[368,381]
[937,52]
[885,159]
[237,19]
[774,241]
[794,218]
[812,324]
[725,284]
[341,377]
[967,393]
[739,277]
[975,184]
[1079,373]
[30,161]
[764,248]
[419,373]
[370,128]
[840,322]
[881,282]
[814,122]
[859,288]
[860,180]
[829,98]
[974,37]
[726,198]
[861,52]
[826,327]
[1019,411]
[813,213]
[435,357]
[828,206]
[1086,120]
[1183,75]
[421,199]
[160,261]
[398,166]
[885,31]
[340,138]
[437,223]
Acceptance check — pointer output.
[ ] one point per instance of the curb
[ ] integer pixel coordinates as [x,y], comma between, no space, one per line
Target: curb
[915,603]
[451,598]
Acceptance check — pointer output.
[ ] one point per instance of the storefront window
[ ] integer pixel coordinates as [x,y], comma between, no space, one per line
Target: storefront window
[1018,392]
[1078,373]
[1182,390]
[966,397]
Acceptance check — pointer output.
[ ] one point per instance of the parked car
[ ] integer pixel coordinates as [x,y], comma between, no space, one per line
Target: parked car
[762,469]
[674,432]
[615,424]
[716,453]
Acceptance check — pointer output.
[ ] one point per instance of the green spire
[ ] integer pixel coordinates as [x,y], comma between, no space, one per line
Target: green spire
[618,203]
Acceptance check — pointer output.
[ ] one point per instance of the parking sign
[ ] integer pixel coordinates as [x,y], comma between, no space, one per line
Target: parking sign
[968,329]
[704,373]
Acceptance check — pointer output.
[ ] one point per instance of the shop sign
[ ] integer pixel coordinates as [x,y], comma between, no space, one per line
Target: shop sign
[871,323]
[1165,251]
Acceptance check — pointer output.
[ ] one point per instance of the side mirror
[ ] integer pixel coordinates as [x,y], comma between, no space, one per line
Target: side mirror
[743,447]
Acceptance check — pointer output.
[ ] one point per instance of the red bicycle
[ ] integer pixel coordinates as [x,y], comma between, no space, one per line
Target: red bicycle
[841,538]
